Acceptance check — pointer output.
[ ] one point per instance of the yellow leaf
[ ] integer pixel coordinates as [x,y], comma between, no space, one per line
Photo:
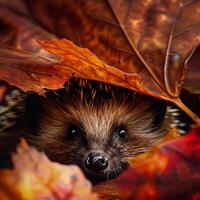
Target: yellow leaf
[35,177]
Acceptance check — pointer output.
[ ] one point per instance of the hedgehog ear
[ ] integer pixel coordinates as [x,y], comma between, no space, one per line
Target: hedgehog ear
[33,110]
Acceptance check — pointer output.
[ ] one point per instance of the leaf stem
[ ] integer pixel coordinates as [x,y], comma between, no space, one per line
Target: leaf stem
[182,106]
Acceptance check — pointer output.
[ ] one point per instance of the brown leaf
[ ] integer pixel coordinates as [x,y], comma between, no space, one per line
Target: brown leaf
[83,63]
[30,71]
[149,38]
[23,62]
[152,38]
[17,28]
[36,177]
[172,172]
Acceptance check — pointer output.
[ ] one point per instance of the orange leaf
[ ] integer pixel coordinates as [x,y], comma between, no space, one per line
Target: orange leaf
[23,62]
[35,177]
[82,63]
[30,71]
[150,39]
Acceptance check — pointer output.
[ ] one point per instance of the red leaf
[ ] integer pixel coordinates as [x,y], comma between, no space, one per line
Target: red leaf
[35,177]
[172,172]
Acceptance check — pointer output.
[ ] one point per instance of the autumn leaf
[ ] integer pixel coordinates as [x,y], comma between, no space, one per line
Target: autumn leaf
[171,172]
[30,71]
[17,29]
[174,171]
[35,177]
[23,63]
[21,57]
[150,39]
[83,63]
[76,59]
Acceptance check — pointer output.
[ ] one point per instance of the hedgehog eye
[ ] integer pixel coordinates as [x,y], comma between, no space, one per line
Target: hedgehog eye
[121,132]
[74,132]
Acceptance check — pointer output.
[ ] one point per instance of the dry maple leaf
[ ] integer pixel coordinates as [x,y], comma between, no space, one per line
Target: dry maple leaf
[83,63]
[150,40]
[35,177]
[20,54]
[172,172]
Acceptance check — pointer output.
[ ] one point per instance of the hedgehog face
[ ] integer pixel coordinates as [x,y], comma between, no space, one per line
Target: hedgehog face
[100,132]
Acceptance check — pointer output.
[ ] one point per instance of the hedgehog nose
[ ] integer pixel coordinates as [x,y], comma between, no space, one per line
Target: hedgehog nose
[96,162]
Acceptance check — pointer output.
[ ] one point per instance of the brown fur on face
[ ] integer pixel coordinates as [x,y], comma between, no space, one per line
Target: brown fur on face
[97,112]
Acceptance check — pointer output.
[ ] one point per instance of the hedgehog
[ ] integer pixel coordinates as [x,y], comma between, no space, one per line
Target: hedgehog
[94,125]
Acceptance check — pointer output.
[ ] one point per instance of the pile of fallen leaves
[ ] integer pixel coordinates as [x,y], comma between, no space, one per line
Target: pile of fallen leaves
[149,46]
